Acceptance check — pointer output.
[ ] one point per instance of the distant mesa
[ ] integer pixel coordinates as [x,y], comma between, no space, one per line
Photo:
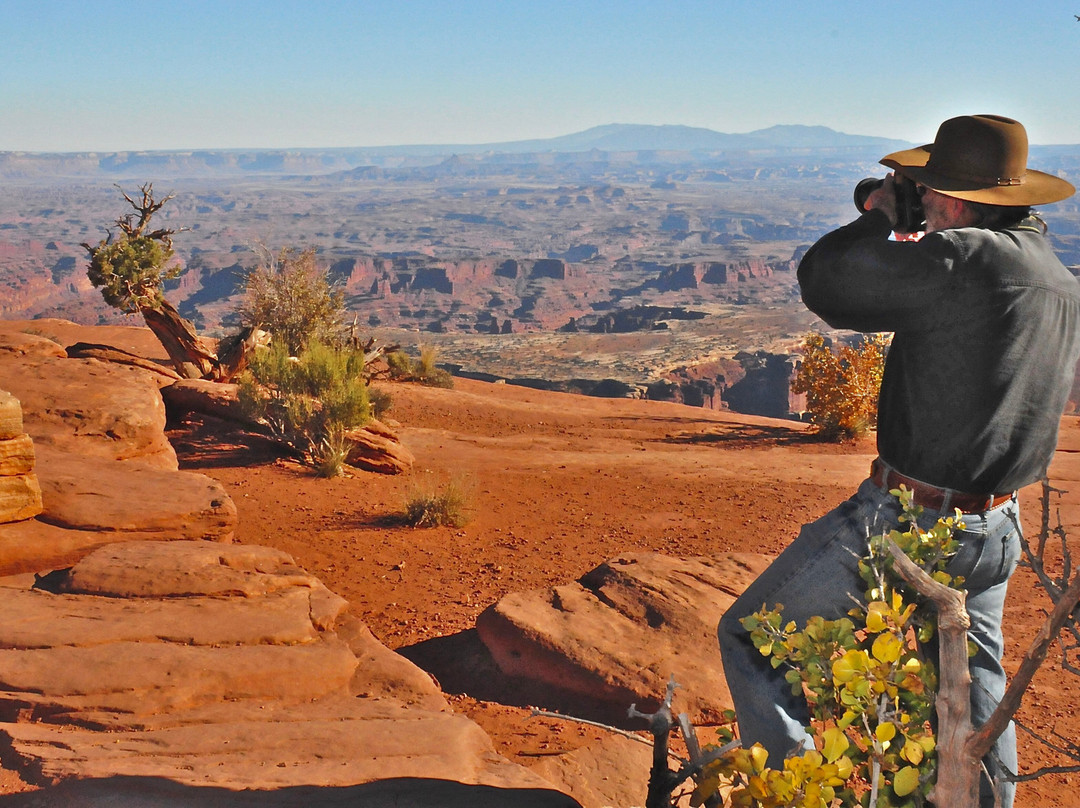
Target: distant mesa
[647,142]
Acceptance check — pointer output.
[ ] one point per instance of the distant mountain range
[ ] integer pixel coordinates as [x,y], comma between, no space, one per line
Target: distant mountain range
[624,137]
[643,142]
[624,143]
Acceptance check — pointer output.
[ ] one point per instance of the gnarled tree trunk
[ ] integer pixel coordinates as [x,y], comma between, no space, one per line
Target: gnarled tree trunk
[191,355]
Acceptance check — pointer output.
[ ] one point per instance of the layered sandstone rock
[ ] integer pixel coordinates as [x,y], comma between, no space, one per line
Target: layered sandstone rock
[88,407]
[376,447]
[621,631]
[20,493]
[99,467]
[154,668]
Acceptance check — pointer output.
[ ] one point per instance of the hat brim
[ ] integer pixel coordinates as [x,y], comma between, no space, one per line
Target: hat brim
[1035,188]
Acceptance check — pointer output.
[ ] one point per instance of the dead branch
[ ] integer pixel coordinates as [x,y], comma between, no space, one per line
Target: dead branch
[146,208]
[982,740]
[958,768]
[661,779]
[537,713]
[107,353]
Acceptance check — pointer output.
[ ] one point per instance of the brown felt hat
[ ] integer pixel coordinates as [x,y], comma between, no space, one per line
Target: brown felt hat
[980,158]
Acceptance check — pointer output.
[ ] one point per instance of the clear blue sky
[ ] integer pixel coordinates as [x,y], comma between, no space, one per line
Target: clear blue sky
[165,74]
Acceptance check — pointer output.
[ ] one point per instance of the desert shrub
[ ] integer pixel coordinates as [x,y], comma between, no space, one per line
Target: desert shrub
[842,385]
[424,369]
[330,454]
[869,688]
[381,401]
[290,296]
[131,270]
[307,400]
[447,506]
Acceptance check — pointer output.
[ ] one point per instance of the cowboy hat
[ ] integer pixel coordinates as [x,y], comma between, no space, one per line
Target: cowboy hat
[980,158]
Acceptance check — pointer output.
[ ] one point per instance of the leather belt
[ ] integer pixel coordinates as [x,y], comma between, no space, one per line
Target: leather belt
[930,496]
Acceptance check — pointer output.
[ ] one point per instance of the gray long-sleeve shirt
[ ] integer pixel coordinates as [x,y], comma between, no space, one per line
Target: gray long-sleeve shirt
[986,339]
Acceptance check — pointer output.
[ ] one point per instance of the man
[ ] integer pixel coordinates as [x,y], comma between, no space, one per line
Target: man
[986,325]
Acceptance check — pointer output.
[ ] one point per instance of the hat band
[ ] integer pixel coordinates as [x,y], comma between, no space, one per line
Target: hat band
[989,181]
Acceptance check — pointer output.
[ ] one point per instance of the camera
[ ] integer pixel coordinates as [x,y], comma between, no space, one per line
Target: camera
[909,213]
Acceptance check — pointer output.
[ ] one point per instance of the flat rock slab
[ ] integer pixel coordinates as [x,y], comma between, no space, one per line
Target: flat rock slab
[625,628]
[165,569]
[610,772]
[331,743]
[100,494]
[90,407]
[184,673]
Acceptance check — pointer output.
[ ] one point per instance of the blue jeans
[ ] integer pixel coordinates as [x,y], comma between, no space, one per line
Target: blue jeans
[818,575]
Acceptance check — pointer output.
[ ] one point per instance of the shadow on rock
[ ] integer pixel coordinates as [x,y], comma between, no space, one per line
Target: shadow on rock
[152,792]
[204,442]
[747,436]
[463,665]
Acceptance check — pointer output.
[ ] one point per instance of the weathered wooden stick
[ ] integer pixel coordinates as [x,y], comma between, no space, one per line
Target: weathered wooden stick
[958,769]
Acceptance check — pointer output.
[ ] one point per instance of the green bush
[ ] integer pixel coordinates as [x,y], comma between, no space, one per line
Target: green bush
[310,399]
[330,455]
[290,296]
[445,507]
[381,401]
[424,370]
[131,272]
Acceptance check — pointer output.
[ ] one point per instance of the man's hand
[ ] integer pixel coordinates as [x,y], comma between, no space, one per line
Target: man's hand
[884,199]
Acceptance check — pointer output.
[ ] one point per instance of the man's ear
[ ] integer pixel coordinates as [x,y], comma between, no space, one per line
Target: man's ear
[961,213]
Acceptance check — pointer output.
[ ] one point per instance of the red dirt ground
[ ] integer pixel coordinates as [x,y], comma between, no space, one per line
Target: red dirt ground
[558,483]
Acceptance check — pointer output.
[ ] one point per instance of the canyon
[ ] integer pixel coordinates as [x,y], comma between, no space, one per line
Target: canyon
[597,262]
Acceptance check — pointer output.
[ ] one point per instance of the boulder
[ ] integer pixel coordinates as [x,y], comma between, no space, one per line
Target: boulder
[88,407]
[11,420]
[22,343]
[219,399]
[621,631]
[20,497]
[99,494]
[376,447]
[16,455]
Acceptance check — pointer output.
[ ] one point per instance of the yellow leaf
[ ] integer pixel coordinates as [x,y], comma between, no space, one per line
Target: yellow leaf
[912,665]
[885,732]
[836,743]
[760,756]
[912,752]
[887,648]
[905,781]
[875,621]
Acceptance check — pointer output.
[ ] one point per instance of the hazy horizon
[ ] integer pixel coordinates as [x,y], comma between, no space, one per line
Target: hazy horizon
[115,75]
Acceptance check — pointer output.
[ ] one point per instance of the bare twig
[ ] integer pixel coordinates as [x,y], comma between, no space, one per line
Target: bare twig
[536,713]
[983,739]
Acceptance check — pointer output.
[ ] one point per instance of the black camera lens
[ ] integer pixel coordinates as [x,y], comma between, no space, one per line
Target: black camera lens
[863,190]
[909,212]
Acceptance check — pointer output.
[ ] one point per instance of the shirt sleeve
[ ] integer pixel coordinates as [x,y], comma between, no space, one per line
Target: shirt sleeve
[859,279]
